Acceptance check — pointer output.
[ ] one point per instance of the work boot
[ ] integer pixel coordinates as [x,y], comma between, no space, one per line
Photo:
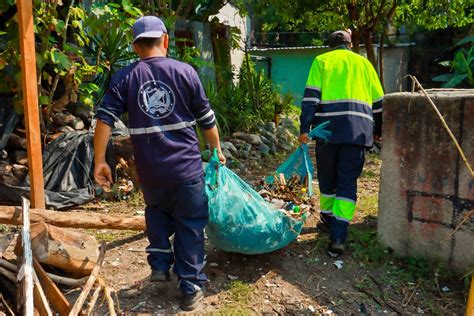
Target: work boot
[335,248]
[160,276]
[190,302]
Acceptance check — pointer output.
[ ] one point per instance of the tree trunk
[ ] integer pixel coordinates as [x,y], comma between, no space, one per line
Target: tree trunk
[369,47]
[12,216]
[381,49]
[356,41]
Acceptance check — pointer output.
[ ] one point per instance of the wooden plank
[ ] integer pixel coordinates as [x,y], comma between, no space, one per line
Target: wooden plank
[25,273]
[40,300]
[30,101]
[12,215]
[53,294]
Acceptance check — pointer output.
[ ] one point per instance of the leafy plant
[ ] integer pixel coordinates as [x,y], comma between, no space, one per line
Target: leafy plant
[244,105]
[462,66]
[106,42]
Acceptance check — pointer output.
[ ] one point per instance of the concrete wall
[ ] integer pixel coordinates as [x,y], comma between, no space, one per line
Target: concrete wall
[202,39]
[289,69]
[426,189]
[396,68]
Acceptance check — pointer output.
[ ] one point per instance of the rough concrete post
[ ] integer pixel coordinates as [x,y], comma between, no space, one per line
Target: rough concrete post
[426,189]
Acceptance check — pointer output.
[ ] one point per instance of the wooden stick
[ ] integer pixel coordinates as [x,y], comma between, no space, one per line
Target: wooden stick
[89,284]
[40,300]
[56,278]
[110,301]
[12,215]
[6,305]
[25,273]
[108,296]
[54,295]
[461,152]
[93,300]
[466,216]
[30,102]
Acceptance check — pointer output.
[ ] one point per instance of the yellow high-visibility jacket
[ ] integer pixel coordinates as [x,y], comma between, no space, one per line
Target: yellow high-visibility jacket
[343,88]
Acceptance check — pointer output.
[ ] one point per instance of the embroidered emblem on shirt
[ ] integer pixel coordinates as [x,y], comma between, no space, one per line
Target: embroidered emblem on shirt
[156,99]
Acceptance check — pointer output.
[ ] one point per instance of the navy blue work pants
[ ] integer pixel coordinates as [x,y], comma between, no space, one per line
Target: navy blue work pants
[182,210]
[338,166]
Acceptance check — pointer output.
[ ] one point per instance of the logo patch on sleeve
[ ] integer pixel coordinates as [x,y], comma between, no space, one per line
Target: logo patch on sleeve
[156,99]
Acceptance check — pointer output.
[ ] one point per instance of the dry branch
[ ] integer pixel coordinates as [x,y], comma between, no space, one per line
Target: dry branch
[89,284]
[6,305]
[93,300]
[12,216]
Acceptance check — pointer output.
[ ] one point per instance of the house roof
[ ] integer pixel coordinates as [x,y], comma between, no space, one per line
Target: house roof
[288,48]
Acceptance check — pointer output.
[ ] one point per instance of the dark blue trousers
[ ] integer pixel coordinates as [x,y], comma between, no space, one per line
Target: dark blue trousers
[182,210]
[338,166]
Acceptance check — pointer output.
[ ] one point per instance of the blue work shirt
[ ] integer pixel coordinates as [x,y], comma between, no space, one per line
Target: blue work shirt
[164,99]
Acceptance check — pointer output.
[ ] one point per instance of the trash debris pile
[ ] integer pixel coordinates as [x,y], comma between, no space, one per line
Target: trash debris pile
[290,197]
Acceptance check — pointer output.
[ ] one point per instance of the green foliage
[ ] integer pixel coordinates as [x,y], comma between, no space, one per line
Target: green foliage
[365,247]
[462,66]
[105,38]
[253,100]
[435,14]
[58,56]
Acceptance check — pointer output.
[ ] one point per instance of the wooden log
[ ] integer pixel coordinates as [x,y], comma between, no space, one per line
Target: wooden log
[30,101]
[8,274]
[76,309]
[123,153]
[75,219]
[16,141]
[5,242]
[66,249]
[58,300]
[69,282]
[25,304]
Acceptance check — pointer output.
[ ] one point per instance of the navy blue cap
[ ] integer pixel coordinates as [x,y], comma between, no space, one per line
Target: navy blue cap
[339,38]
[148,26]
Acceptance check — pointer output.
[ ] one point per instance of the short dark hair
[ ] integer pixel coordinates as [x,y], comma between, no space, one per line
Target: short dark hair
[148,42]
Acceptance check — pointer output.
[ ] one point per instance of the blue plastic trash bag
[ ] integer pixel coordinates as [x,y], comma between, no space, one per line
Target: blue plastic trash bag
[299,163]
[240,220]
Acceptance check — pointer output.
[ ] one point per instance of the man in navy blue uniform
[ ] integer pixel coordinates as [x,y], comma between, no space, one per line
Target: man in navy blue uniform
[164,99]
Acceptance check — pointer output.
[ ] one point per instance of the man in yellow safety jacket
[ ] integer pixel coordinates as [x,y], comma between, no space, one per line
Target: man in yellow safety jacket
[342,88]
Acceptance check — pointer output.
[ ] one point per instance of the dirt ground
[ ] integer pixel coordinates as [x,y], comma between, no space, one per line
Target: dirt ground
[299,279]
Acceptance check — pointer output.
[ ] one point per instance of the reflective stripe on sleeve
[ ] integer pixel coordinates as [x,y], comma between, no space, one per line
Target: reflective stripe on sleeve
[162,128]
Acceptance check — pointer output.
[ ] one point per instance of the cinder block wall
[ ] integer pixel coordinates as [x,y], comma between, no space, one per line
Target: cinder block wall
[426,189]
